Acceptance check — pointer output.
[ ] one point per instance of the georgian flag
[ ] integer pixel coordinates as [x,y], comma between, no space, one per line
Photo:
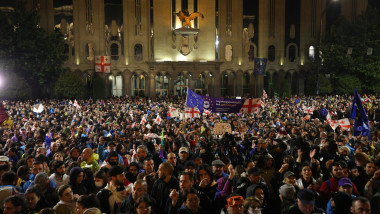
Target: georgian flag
[333,123]
[76,105]
[143,120]
[308,110]
[103,64]
[344,124]
[206,112]
[192,112]
[173,112]
[158,119]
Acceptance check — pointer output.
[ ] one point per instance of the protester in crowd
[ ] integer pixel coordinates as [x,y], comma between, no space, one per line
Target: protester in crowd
[66,205]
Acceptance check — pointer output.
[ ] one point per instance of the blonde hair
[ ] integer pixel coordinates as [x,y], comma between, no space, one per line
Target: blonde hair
[92,210]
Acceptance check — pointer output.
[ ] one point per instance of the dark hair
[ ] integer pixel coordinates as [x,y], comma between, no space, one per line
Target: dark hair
[335,163]
[62,189]
[361,199]
[8,177]
[5,167]
[112,154]
[101,174]
[191,176]
[17,201]
[145,200]
[187,192]
[56,164]
[88,201]
[207,168]
[23,170]
[33,189]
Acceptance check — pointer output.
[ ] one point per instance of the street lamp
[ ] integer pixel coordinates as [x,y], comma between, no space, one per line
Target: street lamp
[320,42]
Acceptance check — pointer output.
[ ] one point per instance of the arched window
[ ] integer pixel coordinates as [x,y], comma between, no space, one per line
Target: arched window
[311,52]
[138,85]
[117,85]
[114,51]
[138,52]
[251,53]
[292,53]
[180,85]
[245,83]
[162,85]
[200,85]
[224,84]
[271,53]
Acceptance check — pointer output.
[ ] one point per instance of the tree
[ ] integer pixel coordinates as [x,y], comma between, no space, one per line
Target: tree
[69,85]
[346,84]
[324,85]
[29,51]
[357,36]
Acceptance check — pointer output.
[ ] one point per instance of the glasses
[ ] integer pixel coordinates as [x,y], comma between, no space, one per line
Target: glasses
[235,201]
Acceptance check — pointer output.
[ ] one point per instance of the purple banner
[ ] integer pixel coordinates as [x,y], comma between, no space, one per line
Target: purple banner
[222,105]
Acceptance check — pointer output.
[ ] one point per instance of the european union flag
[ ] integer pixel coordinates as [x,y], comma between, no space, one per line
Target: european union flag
[194,100]
[361,126]
[260,65]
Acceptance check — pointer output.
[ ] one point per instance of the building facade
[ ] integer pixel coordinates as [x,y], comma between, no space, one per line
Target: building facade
[152,53]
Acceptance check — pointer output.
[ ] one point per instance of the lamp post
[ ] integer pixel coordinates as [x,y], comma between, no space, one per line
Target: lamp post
[320,42]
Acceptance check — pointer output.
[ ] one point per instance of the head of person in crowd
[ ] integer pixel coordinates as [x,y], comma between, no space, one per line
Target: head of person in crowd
[289,178]
[100,178]
[247,164]
[32,196]
[191,167]
[149,165]
[191,200]
[235,204]
[47,211]
[113,158]
[183,154]
[345,185]
[186,181]
[144,206]
[76,176]
[141,152]
[74,153]
[37,167]
[132,171]
[217,168]
[140,188]
[14,204]
[30,160]
[257,191]
[8,178]
[172,159]
[336,170]
[117,176]
[23,172]
[65,194]
[165,171]
[360,205]
[85,202]
[369,169]
[205,175]
[306,201]
[58,156]
[254,175]
[252,205]
[92,210]
[340,202]
[58,167]
[41,151]
[42,181]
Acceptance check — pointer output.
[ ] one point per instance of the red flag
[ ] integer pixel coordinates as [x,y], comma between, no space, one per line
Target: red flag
[103,64]
[192,112]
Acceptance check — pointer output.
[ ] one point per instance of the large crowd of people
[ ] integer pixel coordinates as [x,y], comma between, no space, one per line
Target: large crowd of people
[114,156]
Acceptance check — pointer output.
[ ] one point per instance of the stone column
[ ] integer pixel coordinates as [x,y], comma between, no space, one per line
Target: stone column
[259,85]
[151,86]
[239,83]
[216,85]
[127,86]
[252,85]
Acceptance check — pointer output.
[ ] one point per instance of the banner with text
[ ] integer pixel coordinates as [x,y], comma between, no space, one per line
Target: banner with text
[222,105]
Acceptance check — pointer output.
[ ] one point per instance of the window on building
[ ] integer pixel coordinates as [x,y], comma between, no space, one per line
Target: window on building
[138,85]
[224,84]
[117,85]
[271,53]
[292,53]
[114,51]
[200,85]
[251,53]
[312,52]
[162,85]
[180,85]
[138,52]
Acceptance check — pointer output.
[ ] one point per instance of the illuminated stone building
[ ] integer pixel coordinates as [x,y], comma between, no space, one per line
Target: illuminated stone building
[150,57]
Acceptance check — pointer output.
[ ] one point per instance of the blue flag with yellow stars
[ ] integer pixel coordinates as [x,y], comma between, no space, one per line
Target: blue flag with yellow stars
[194,100]
[260,65]
[361,126]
